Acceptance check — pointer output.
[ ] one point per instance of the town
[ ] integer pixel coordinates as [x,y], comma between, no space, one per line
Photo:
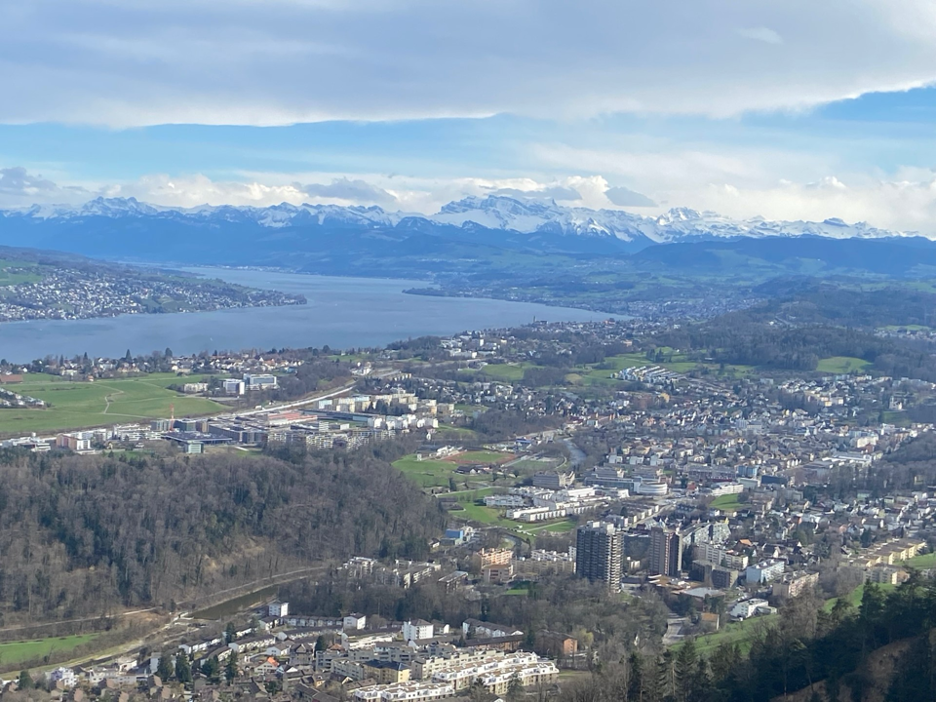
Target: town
[58,291]
[704,497]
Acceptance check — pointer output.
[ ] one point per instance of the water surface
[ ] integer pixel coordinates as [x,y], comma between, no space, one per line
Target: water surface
[341,312]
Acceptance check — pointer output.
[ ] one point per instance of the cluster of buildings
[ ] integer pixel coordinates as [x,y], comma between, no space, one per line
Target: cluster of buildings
[412,661]
[81,293]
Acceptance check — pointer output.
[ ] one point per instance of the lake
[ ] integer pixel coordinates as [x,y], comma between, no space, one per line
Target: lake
[341,312]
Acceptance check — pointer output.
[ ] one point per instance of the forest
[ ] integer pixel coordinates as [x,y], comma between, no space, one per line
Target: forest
[82,535]
[828,649]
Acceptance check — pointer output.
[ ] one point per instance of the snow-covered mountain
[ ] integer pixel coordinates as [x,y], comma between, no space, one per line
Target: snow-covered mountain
[536,218]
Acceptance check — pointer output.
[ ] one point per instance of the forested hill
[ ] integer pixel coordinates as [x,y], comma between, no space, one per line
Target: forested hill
[819,653]
[80,536]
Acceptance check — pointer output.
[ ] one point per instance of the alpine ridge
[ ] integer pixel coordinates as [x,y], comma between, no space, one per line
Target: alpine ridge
[494,212]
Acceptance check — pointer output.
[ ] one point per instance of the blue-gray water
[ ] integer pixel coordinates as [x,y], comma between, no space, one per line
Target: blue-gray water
[341,312]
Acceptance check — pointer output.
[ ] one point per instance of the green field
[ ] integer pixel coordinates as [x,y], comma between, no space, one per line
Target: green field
[927,560]
[16,652]
[733,632]
[726,503]
[427,473]
[854,597]
[841,365]
[8,278]
[505,371]
[80,404]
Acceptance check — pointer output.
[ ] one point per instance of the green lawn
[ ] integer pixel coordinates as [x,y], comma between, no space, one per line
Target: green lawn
[560,526]
[927,560]
[80,404]
[854,597]
[726,503]
[427,473]
[740,632]
[505,371]
[14,653]
[840,365]
[483,515]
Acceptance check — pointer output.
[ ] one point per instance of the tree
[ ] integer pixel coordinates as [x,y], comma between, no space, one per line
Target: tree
[165,669]
[230,668]
[514,688]
[25,681]
[230,632]
[211,669]
[183,669]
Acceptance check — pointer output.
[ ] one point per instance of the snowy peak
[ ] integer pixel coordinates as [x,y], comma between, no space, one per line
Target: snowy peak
[532,217]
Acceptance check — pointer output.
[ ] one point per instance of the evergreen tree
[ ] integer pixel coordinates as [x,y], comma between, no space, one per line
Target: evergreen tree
[230,668]
[211,669]
[25,681]
[164,669]
[183,669]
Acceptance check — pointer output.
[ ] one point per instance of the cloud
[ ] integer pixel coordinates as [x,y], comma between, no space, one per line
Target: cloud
[625,197]
[349,190]
[768,36]
[20,188]
[559,193]
[284,61]
[905,201]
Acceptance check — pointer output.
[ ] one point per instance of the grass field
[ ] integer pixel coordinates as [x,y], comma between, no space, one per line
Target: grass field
[841,365]
[726,503]
[854,597]
[16,652]
[8,278]
[428,473]
[75,405]
[927,560]
[733,632]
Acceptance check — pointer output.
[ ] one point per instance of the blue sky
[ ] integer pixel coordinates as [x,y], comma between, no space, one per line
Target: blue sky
[790,110]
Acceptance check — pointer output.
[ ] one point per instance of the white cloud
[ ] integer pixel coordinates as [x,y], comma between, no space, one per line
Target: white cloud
[284,61]
[905,201]
[764,34]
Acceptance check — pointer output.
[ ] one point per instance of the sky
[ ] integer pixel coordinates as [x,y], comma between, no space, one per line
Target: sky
[786,109]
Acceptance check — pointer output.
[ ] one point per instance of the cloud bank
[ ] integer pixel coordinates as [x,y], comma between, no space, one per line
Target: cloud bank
[906,202]
[147,62]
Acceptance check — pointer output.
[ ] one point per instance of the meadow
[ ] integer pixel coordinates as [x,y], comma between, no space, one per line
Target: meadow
[82,404]
[16,652]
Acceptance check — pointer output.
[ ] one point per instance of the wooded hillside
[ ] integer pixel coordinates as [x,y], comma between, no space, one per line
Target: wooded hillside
[81,536]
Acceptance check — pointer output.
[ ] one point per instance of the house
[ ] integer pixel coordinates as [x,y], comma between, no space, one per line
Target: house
[64,675]
[354,621]
[488,630]
[748,608]
[278,609]
[554,644]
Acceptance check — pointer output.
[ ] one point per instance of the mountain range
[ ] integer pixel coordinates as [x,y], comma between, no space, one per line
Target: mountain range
[368,240]
[491,212]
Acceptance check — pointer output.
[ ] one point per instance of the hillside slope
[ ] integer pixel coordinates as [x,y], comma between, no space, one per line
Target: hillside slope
[82,536]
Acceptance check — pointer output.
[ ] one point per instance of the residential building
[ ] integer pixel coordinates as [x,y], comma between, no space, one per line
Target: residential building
[665,552]
[599,550]
[418,630]
[765,571]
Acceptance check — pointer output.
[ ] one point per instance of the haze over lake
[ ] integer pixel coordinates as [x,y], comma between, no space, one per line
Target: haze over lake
[341,312]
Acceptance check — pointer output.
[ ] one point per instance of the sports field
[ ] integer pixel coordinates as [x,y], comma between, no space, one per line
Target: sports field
[841,365]
[81,404]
